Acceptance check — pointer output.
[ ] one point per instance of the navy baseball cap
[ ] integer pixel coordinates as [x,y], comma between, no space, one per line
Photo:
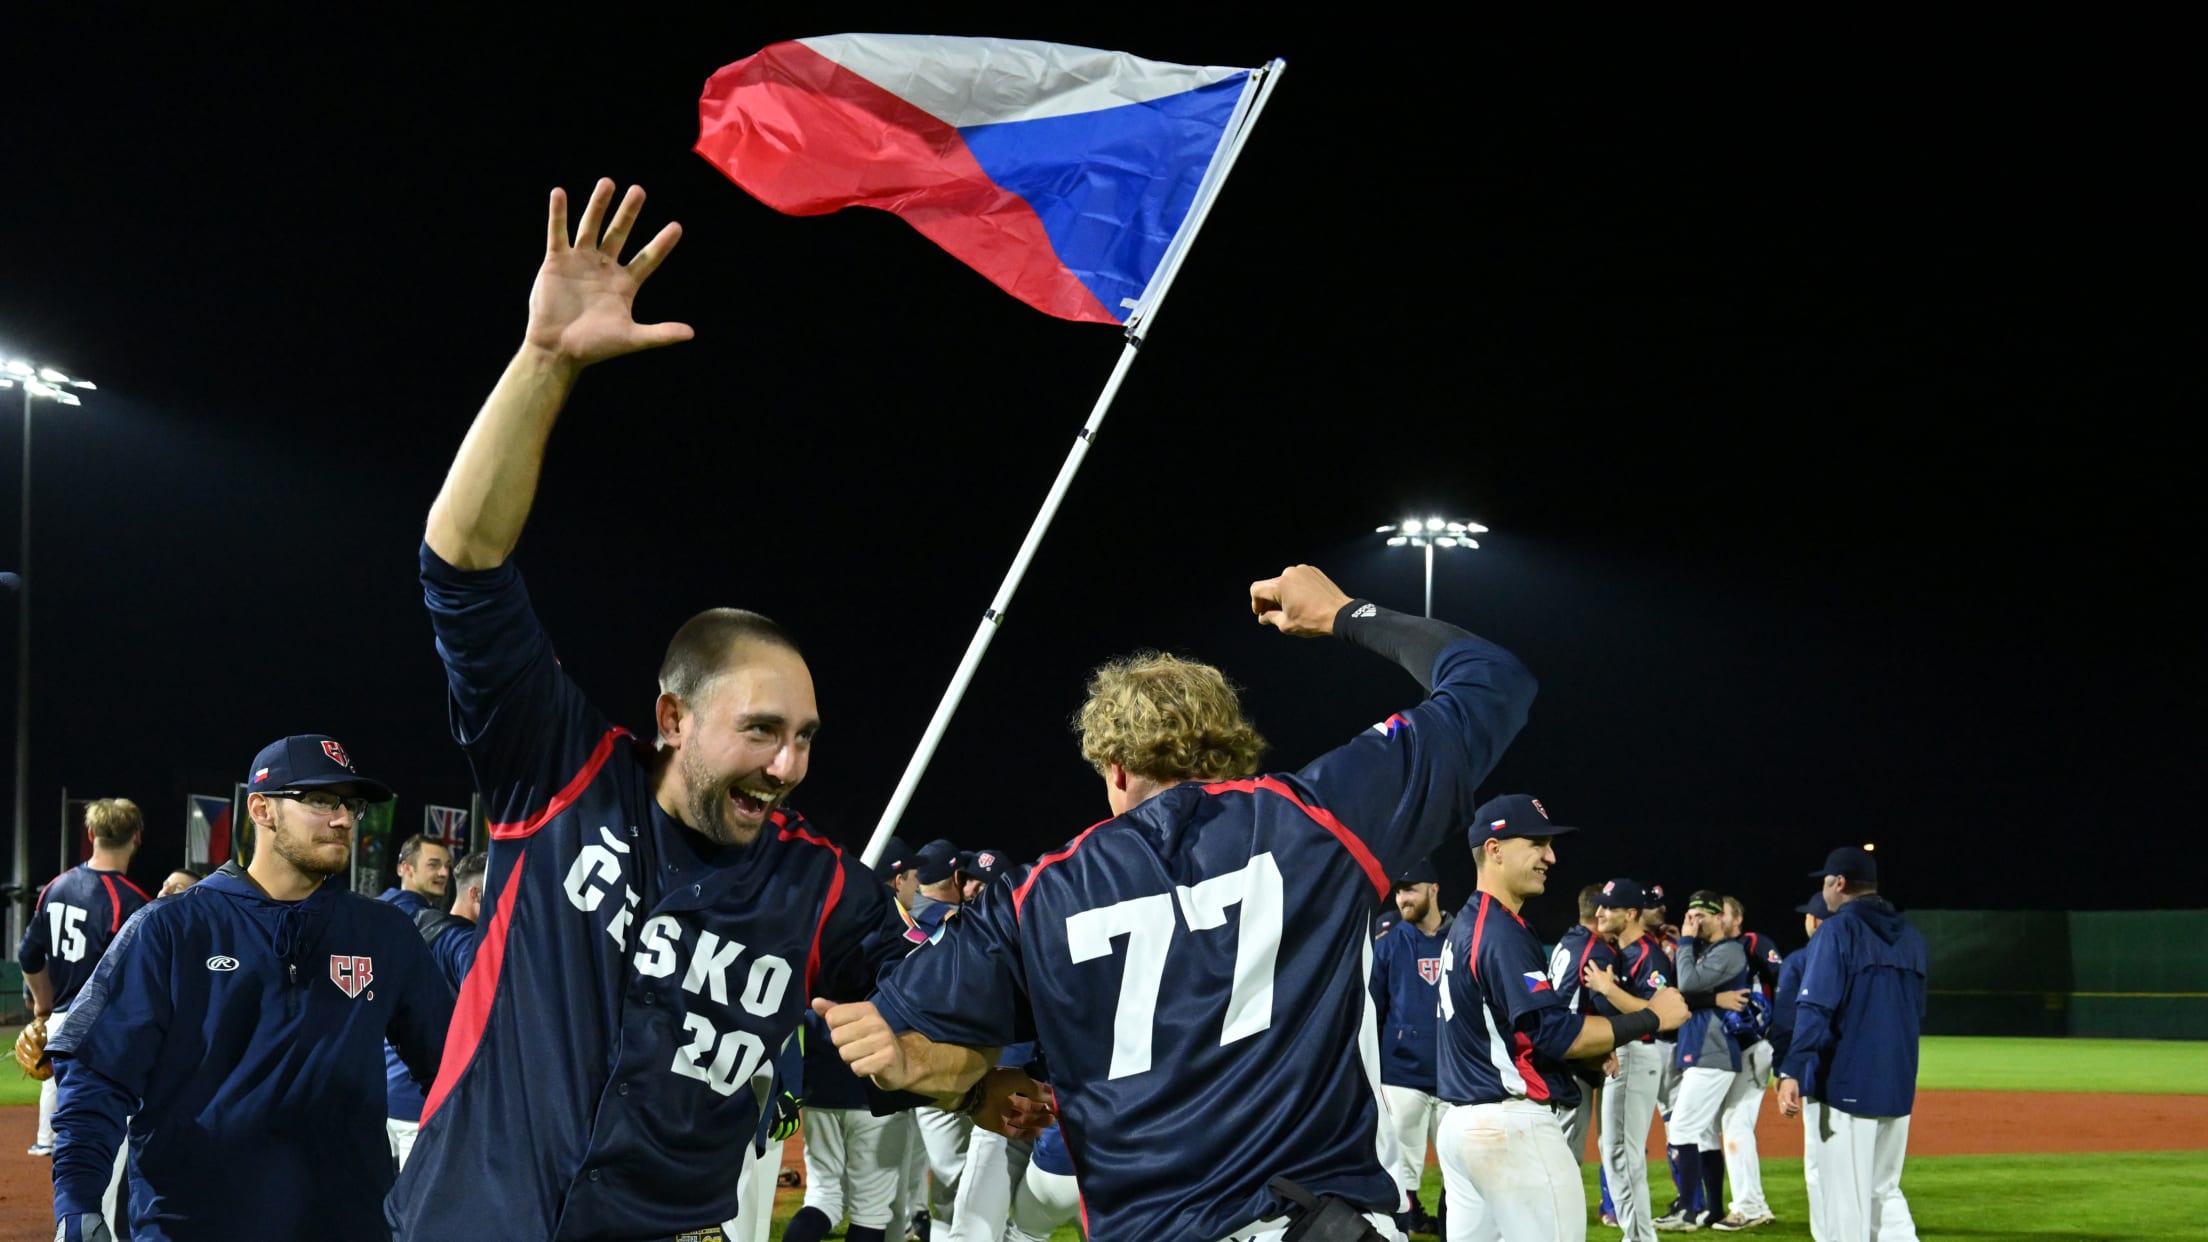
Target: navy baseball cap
[1652,897]
[989,865]
[1815,906]
[935,868]
[897,858]
[1421,872]
[1620,894]
[309,761]
[1512,815]
[1849,863]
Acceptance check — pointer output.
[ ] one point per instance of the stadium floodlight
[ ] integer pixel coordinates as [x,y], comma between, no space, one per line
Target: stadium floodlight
[53,385]
[1431,533]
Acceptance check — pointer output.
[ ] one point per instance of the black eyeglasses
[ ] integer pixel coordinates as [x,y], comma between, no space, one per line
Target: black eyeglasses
[321,803]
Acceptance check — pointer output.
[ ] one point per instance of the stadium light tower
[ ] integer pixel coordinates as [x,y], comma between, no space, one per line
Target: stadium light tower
[36,382]
[1431,533]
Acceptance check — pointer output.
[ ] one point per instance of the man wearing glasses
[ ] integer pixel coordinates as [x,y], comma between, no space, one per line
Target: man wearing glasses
[245,1018]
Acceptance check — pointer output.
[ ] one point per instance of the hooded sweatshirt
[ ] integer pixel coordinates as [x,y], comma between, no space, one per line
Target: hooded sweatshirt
[226,1024]
[1710,966]
[1859,1010]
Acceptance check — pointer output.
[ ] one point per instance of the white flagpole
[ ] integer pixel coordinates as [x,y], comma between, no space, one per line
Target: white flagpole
[1238,128]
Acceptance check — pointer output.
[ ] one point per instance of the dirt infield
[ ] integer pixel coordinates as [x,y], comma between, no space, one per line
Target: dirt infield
[1946,1123]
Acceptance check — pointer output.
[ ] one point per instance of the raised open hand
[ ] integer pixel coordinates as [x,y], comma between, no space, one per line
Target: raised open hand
[581,308]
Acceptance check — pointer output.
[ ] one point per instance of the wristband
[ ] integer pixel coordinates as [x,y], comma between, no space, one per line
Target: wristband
[1627,1027]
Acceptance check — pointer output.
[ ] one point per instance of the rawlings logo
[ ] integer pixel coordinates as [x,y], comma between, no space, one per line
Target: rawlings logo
[351,974]
[1429,969]
[336,752]
[222,962]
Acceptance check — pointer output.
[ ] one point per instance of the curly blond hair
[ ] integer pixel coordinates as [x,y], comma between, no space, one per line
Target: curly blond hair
[1167,719]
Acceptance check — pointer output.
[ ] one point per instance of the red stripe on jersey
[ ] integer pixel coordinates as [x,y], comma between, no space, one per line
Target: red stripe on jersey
[1521,1052]
[1478,925]
[1019,895]
[134,888]
[1323,817]
[50,883]
[472,1011]
[568,793]
[1584,954]
[828,907]
[114,902]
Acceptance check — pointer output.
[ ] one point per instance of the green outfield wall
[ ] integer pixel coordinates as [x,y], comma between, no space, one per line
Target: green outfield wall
[2105,974]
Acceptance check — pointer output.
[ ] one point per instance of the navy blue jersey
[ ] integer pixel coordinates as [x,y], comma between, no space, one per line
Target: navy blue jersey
[1574,949]
[228,1025]
[829,1083]
[405,899]
[1198,968]
[1782,1006]
[77,917]
[632,976]
[1642,968]
[1504,1029]
[1764,960]
[1406,973]
[1859,1010]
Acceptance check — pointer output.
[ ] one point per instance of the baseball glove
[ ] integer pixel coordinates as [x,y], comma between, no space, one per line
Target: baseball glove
[30,1050]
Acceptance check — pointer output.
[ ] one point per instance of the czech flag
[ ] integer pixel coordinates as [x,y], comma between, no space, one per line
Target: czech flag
[1061,173]
[1537,982]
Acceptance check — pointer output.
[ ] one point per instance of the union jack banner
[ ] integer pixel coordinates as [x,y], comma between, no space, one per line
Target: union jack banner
[447,825]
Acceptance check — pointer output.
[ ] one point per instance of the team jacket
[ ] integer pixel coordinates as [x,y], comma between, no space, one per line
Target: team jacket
[1504,1029]
[1642,968]
[608,1056]
[77,917]
[454,951]
[1709,966]
[1764,960]
[1406,971]
[1198,968]
[227,1025]
[1782,1007]
[1858,1011]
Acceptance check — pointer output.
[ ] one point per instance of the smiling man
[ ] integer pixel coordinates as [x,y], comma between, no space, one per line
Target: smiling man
[245,1017]
[656,916]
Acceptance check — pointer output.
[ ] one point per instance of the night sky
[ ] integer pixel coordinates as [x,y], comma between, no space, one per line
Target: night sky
[1821,393]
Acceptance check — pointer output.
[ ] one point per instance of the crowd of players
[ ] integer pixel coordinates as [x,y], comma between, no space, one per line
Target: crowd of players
[1183,1002]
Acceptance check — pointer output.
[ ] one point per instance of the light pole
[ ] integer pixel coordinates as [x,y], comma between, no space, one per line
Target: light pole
[1431,533]
[35,382]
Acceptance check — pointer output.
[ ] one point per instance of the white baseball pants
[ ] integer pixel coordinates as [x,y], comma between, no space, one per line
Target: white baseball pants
[1508,1176]
[1856,1196]
[1416,1116]
[1737,1123]
[944,1135]
[1040,1203]
[1628,1101]
[853,1164]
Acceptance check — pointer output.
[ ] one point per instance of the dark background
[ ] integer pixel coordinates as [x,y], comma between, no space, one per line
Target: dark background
[1821,389]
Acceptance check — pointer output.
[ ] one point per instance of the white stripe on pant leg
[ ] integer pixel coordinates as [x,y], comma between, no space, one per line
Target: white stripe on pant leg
[1743,1106]
[827,1162]
[1628,1105]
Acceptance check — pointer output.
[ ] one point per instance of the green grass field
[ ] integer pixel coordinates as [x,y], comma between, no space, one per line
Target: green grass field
[2127,1197]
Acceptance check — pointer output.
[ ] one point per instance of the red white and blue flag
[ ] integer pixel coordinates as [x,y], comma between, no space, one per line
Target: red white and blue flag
[1537,982]
[1061,173]
[447,825]
[206,830]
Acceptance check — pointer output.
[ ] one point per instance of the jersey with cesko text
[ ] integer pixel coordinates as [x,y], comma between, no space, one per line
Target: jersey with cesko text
[1574,950]
[1198,967]
[1642,969]
[1406,974]
[78,916]
[228,1026]
[1504,1028]
[632,979]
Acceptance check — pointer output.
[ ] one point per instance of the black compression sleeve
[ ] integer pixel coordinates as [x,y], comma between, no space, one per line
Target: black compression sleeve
[1413,642]
[1627,1027]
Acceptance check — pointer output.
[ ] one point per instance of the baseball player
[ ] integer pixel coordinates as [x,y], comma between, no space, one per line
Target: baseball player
[1850,1070]
[1506,1036]
[1744,1101]
[76,918]
[658,914]
[1814,912]
[1196,968]
[1406,1006]
[944,1133]
[451,940]
[853,1159]
[1708,1058]
[425,872]
[1634,1068]
[1575,949]
[244,1018]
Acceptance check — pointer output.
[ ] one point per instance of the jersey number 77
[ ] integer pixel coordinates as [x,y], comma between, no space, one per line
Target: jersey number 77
[1149,926]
